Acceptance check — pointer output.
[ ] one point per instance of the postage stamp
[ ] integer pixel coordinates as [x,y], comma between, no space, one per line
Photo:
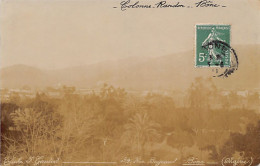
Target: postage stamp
[210,51]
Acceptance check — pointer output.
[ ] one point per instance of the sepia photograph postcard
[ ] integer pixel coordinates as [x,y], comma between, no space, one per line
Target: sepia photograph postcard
[130,82]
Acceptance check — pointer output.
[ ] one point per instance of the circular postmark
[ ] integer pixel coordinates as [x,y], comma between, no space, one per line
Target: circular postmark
[217,59]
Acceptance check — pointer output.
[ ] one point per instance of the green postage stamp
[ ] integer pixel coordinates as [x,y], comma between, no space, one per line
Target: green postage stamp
[211,41]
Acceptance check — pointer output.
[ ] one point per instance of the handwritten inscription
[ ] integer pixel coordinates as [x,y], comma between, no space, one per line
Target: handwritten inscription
[195,161]
[128,4]
[206,3]
[152,161]
[236,162]
[32,160]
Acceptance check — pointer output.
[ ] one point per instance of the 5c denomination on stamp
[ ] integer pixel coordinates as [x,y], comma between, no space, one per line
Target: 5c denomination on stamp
[209,52]
[212,49]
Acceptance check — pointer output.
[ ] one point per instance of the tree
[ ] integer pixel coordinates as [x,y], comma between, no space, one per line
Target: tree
[141,130]
[34,134]
[202,93]
[248,144]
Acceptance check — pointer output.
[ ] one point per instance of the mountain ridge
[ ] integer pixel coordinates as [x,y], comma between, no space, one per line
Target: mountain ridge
[175,71]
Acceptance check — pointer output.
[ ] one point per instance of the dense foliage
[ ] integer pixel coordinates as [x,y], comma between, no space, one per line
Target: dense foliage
[113,124]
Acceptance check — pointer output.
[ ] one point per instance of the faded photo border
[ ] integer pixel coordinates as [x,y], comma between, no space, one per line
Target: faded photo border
[87,83]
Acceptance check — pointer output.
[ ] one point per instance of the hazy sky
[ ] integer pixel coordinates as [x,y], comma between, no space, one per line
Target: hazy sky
[60,34]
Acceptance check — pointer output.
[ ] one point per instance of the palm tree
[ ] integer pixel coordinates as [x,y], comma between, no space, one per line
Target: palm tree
[141,130]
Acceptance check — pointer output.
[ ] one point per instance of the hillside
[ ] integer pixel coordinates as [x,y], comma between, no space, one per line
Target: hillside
[175,71]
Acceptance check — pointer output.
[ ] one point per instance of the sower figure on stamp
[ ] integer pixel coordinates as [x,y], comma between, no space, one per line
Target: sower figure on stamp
[213,36]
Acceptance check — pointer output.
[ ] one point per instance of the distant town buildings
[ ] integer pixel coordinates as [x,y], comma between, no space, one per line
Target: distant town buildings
[245,98]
